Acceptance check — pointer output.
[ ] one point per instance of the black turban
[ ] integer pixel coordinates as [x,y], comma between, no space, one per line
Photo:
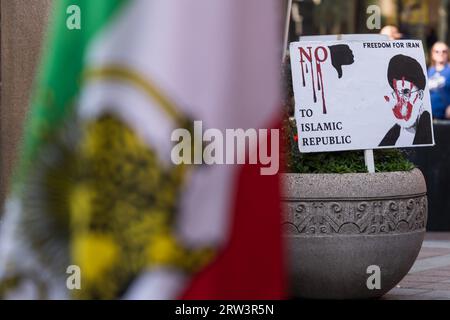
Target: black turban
[402,66]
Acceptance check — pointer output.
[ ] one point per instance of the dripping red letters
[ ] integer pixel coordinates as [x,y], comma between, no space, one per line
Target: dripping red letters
[320,56]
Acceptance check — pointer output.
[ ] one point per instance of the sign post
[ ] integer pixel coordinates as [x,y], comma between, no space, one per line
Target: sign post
[368,159]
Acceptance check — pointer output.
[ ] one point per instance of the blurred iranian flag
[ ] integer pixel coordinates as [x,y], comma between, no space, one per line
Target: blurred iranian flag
[96,187]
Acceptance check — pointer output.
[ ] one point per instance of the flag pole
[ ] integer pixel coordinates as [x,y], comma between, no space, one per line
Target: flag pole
[286,29]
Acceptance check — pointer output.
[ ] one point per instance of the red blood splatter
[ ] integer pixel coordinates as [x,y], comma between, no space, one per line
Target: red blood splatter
[399,115]
[400,105]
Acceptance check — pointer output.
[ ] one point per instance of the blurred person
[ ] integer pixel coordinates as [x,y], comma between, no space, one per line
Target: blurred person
[439,81]
[392,32]
[96,188]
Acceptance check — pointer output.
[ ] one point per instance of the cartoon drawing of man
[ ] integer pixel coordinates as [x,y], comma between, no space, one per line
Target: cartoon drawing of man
[413,122]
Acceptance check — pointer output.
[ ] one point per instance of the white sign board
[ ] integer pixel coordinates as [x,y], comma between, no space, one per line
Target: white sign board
[353,95]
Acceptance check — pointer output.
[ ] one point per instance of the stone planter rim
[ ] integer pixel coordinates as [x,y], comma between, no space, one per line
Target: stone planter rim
[353,185]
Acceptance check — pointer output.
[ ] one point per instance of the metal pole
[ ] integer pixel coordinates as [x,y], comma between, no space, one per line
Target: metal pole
[368,159]
[286,30]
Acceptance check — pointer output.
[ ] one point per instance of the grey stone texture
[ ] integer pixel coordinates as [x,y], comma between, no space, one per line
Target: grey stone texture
[353,185]
[337,225]
[23,23]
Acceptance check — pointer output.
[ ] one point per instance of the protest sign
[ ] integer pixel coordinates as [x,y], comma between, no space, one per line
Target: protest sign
[354,95]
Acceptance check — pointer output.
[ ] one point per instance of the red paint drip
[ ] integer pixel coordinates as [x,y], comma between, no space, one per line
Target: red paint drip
[318,80]
[387,98]
[415,99]
[313,84]
[403,82]
[303,74]
[320,76]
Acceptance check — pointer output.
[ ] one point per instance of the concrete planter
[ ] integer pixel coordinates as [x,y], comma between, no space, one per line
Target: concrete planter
[337,225]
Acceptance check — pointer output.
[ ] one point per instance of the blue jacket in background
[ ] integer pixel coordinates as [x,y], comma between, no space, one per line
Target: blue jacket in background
[439,84]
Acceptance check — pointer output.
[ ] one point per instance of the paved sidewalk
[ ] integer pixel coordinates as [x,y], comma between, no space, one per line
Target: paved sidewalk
[429,278]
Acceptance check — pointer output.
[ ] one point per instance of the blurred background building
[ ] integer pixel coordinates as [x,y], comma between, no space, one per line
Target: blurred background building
[426,20]
[22,27]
